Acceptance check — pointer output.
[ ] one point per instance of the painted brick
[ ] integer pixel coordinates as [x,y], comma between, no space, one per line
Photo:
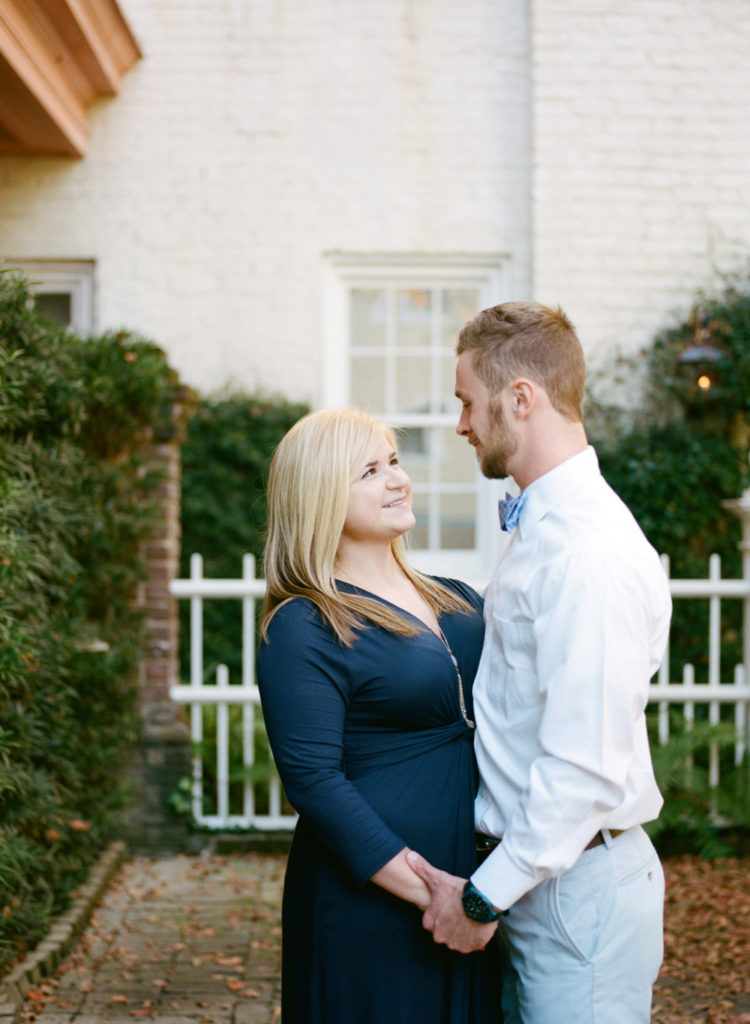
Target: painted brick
[256,135]
[603,146]
[641,149]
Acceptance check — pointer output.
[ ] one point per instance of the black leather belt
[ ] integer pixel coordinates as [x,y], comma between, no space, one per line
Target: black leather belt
[485,846]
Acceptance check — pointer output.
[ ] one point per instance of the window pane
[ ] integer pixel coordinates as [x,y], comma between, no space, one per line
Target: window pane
[368,383]
[459,305]
[368,316]
[413,312]
[458,464]
[412,441]
[55,306]
[419,535]
[413,384]
[457,513]
[448,401]
[415,461]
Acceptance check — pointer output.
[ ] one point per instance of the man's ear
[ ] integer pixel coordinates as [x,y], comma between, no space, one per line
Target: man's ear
[523,397]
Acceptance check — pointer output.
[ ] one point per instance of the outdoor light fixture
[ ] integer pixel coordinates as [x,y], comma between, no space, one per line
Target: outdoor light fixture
[699,367]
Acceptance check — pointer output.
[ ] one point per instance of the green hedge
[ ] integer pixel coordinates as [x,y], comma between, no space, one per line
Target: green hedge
[225,459]
[76,501]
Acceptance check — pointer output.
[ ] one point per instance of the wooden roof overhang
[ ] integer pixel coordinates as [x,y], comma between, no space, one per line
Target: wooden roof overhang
[56,57]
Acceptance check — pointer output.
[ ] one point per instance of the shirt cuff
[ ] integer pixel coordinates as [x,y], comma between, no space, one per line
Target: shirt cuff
[501,881]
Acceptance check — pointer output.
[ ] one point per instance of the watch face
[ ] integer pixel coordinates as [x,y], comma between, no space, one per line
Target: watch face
[477,906]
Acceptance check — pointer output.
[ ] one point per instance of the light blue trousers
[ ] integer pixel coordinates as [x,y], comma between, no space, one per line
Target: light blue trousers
[586,947]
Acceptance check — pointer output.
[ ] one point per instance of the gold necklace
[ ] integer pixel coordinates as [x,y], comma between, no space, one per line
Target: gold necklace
[461,700]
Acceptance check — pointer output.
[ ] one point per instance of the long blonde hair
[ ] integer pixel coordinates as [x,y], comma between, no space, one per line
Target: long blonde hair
[311,472]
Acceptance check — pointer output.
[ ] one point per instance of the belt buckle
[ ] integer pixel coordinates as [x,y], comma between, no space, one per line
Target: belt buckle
[484,844]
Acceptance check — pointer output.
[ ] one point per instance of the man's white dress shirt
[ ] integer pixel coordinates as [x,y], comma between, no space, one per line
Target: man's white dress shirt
[577,618]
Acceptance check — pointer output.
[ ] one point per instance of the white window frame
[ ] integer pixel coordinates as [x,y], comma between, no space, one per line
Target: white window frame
[490,275]
[73,277]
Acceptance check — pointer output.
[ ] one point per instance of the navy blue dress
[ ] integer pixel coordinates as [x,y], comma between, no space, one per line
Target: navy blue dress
[374,755]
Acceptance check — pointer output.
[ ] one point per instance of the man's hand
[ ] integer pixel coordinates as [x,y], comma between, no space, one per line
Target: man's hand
[445,916]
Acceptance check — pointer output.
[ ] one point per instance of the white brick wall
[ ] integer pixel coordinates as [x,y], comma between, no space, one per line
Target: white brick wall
[256,135]
[641,159]
[605,148]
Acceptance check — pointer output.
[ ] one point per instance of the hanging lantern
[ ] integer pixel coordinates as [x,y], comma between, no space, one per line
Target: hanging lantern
[699,367]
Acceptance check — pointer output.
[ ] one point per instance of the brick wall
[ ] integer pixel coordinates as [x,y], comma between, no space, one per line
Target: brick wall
[602,144]
[162,757]
[641,157]
[254,137]
[160,669]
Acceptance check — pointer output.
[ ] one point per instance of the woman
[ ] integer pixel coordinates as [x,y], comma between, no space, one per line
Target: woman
[365,674]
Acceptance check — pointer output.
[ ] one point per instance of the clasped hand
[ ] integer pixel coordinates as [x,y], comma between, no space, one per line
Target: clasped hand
[445,916]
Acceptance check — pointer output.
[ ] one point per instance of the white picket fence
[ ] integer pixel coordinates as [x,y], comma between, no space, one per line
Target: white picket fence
[224,694]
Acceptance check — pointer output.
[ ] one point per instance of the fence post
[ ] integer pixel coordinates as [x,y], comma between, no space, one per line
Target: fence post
[741,508]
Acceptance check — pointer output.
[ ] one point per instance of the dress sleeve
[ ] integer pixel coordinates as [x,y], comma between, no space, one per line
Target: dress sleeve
[305,694]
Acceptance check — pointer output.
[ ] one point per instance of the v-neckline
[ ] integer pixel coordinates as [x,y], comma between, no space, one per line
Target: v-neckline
[439,637]
[438,634]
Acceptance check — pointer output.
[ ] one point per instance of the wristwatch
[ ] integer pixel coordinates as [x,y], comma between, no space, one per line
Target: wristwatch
[477,906]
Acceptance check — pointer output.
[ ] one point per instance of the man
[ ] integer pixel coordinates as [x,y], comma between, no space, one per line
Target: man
[577,618]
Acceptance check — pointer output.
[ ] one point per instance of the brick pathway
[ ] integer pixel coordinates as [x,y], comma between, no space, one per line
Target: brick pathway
[176,940]
[196,941]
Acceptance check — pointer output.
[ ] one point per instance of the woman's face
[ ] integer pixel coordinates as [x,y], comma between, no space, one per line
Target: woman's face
[380,497]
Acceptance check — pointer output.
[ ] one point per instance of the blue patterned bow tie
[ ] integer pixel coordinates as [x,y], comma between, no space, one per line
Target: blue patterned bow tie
[509,511]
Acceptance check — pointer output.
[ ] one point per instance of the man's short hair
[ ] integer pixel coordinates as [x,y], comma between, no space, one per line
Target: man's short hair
[525,339]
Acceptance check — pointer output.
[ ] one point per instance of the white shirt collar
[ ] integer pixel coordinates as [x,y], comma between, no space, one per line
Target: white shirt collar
[549,491]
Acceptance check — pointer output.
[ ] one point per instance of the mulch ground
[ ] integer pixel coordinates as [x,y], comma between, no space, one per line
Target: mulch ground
[705,978]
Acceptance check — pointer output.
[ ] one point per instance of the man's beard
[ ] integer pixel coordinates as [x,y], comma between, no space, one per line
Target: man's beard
[494,458]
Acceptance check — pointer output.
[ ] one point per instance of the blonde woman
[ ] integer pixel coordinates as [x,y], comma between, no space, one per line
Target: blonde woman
[365,672]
